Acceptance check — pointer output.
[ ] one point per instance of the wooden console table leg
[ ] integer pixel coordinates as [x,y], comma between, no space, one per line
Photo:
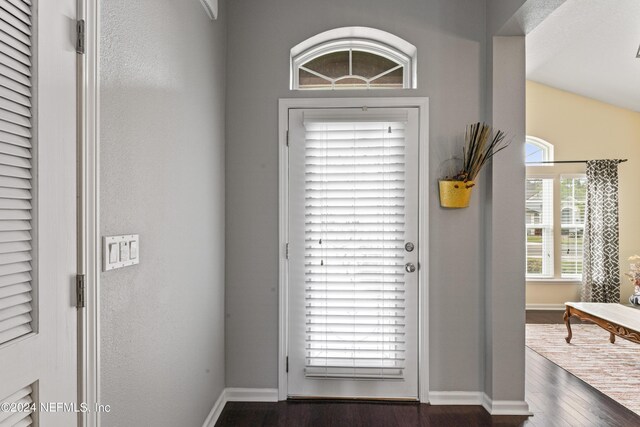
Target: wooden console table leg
[612,337]
[567,317]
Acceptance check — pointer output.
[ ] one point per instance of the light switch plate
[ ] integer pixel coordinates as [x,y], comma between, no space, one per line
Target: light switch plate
[133,249]
[120,251]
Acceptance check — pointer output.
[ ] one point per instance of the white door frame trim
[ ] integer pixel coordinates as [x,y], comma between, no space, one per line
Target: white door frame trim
[284,105]
[88,214]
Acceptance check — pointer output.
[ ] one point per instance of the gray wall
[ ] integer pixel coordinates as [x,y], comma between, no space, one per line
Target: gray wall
[504,182]
[504,239]
[162,176]
[451,39]
[504,335]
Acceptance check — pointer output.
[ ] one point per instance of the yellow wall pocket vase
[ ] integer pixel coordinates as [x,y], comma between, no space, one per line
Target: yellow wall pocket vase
[455,194]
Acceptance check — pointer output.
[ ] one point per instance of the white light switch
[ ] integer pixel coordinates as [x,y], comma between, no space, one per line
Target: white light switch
[114,253]
[124,251]
[133,249]
[120,251]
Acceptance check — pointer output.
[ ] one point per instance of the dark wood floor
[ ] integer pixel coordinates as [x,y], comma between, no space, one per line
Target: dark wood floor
[547,316]
[556,398]
[339,414]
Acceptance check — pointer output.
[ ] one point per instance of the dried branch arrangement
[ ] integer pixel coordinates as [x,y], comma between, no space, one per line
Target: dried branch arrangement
[480,146]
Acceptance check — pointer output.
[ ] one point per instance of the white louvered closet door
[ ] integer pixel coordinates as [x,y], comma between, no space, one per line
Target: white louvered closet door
[38,327]
[353,216]
[15,171]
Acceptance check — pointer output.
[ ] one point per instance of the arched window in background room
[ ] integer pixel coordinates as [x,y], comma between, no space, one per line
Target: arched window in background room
[539,211]
[538,150]
[353,58]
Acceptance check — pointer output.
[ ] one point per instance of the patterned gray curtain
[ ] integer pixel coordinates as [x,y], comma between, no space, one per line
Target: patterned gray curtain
[600,266]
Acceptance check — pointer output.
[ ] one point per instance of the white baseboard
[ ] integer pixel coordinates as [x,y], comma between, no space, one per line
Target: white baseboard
[456,397]
[239,395]
[505,407]
[213,416]
[545,307]
[493,407]
[252,394]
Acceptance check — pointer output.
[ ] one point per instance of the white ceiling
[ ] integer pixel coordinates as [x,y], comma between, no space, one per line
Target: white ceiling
[589,47]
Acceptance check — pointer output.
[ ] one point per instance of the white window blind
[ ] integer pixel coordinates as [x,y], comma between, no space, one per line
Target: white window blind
[22,401]
[354,248]
[539,227]
[15,169]
[573,200]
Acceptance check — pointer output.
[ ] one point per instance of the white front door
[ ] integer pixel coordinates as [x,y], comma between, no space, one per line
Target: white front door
[38,328]
[353,253]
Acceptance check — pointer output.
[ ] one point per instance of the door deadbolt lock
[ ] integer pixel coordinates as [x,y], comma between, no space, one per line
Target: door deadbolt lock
[409,267]
[409,247]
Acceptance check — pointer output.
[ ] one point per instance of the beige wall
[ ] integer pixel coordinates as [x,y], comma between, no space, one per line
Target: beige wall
[583,128]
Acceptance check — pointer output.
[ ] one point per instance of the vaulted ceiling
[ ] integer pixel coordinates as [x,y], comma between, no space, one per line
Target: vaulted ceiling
[589,47]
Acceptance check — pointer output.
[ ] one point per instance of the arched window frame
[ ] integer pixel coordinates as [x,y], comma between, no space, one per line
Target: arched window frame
[545,146]
[363,39]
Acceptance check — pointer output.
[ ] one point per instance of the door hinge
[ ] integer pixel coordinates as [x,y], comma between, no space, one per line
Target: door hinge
[287,363]
[287,137]
[286,251]
[80,291]
[80,36]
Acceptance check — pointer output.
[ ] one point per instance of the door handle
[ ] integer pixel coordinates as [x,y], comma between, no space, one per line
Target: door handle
[409,267]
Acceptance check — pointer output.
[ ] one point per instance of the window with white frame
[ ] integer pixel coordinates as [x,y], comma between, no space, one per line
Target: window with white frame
[539,226]
[573,199]
[553,197]
[353,58]
[538,150]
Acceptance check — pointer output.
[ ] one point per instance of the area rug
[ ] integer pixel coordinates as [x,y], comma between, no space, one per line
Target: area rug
[613,369]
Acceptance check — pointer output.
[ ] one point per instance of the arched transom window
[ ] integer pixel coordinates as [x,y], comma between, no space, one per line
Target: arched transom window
[353,58]
[538,150]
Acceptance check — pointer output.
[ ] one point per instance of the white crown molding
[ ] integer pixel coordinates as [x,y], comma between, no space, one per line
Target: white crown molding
[211,7]
[239,395]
